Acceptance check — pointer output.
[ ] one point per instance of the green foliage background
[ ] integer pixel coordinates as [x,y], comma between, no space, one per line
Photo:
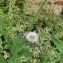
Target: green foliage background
[14,18]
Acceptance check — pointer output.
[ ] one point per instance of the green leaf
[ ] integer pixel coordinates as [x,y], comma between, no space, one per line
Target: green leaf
[1,48]
[41,55]
[25,52]
[2,58]
[1,11]
[39,62]
[10,61]
[57,55]
[61,58]
[19,41]
[1,61]
[8,45]
[58,43]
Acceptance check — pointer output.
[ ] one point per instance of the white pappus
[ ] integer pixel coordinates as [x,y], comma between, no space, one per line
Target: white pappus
[32,37]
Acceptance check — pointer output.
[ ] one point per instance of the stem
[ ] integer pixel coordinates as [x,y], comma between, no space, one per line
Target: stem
[3,59]
[40,9]
[33,20]
[11,5]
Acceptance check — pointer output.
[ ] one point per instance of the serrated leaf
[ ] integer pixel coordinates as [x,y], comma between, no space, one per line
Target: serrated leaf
[25,52]
[19,41]
[8,46]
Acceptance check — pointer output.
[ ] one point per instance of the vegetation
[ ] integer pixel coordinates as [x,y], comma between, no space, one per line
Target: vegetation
[16,22]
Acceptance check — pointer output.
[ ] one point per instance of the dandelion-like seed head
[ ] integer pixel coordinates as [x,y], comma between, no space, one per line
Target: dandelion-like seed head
[32,37]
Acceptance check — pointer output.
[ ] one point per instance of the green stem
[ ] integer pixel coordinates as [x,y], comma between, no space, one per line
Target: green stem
[34,19]
[3,59]
[11,5]
[40,9]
